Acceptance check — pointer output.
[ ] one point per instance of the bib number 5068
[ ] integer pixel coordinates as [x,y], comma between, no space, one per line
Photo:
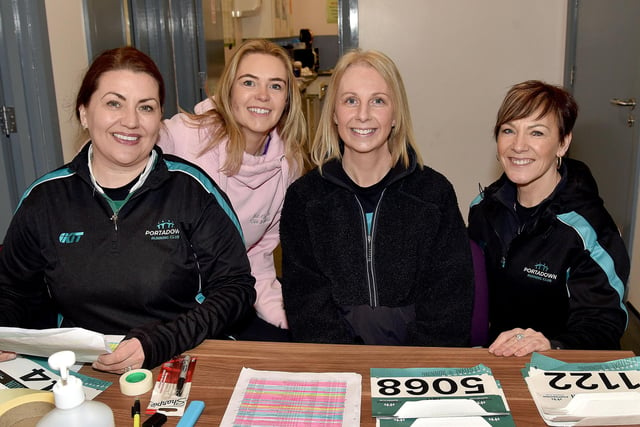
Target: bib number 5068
[419,386]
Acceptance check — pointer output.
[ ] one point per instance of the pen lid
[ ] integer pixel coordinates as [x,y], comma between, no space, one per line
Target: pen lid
[155,420]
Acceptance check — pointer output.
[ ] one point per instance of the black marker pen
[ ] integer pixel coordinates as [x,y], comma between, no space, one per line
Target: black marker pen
[186,360]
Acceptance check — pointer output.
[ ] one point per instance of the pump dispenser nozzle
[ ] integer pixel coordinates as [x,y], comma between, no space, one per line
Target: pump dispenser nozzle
[67,393]
[71,408]
[61,361]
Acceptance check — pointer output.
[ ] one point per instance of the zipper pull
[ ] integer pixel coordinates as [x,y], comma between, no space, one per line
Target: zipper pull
[503,261]
[114,218]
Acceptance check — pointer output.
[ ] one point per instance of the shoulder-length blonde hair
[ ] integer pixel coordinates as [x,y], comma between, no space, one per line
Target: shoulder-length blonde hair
[326,144]
[291,127]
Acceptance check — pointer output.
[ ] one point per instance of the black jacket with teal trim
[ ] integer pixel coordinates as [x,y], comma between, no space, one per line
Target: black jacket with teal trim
[414,277]
[563,272]
[176,236]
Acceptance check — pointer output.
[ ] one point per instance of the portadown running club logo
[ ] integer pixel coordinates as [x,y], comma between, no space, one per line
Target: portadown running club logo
[165,229]
[540,271]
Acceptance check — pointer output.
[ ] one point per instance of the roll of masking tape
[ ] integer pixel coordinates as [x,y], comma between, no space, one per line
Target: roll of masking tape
[24,407]
[136,382]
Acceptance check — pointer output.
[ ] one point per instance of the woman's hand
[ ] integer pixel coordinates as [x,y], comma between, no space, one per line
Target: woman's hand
[519,342]
[127,356]
[7,355]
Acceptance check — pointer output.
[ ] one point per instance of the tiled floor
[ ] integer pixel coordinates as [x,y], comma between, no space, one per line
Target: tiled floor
[631,338]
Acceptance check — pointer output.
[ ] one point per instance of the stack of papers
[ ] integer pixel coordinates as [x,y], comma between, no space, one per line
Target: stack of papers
[438,397]
[86,345]
[585,394]
[271,398]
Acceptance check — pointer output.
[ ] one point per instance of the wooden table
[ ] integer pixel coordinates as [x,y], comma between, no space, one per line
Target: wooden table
[219,364]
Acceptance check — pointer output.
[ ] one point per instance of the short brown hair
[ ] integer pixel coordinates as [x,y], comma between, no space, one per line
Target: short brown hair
[527,98]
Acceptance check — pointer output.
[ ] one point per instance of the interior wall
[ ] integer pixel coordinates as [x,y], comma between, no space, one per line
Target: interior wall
[65,22]
[312,14]
[457,60]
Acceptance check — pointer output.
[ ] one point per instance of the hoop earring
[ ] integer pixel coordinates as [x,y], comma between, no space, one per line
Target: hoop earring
[559,162]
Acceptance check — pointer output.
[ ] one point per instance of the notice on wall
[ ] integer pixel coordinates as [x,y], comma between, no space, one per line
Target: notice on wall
[332,11]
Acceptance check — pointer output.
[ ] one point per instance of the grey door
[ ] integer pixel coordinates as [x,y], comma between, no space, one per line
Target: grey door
[26,85]
[7,199]
[171,32]
[606,41]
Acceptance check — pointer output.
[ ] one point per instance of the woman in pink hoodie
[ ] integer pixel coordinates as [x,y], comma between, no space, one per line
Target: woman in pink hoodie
[250,139]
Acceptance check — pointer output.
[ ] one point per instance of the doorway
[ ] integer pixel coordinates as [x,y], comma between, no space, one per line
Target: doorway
[604,75]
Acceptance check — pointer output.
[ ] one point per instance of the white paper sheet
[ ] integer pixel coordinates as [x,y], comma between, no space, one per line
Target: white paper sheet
[87,345]
[283,391]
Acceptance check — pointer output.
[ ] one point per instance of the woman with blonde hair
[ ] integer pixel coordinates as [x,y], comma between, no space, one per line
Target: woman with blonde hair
[249,137]
[374,246]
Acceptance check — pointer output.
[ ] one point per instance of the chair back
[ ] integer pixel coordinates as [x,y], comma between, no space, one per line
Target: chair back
[480,317]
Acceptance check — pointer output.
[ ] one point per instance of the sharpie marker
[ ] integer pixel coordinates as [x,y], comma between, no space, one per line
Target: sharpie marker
[192,414]
[186,360]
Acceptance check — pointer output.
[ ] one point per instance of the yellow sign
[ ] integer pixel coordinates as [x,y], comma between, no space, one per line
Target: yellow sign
[332,11]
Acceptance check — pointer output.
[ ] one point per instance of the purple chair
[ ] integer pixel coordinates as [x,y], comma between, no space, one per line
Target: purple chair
[480,317]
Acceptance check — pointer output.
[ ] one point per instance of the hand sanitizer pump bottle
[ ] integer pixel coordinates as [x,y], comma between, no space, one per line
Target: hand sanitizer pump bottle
[71,407]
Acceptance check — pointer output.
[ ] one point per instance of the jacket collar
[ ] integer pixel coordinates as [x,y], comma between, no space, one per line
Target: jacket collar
[155,171]
[332,171]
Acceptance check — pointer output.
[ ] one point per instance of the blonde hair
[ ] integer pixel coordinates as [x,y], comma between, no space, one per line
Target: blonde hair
[326,144]
[291,127]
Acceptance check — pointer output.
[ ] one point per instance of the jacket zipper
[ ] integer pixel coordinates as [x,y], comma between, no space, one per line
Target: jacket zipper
[116,211]
[369,251]
[114,219]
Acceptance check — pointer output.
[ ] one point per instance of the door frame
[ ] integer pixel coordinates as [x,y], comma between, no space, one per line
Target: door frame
[348,34]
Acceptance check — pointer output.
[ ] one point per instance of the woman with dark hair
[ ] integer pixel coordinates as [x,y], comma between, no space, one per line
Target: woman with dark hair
[374,247]
[249,137]
[167,265]
[556,264]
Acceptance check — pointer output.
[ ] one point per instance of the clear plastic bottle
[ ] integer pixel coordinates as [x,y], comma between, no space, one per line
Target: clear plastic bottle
[72,410]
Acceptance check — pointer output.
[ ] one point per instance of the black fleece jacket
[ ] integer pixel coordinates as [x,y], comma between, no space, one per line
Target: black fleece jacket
[413,276]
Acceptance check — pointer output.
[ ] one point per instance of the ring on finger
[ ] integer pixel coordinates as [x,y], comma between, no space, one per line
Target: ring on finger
[518,337]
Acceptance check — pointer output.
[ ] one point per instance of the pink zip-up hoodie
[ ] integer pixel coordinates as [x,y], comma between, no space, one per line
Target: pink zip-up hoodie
[256,192]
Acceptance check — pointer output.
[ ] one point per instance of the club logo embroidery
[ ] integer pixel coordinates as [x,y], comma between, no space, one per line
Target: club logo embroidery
[540,271]
[165,229]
